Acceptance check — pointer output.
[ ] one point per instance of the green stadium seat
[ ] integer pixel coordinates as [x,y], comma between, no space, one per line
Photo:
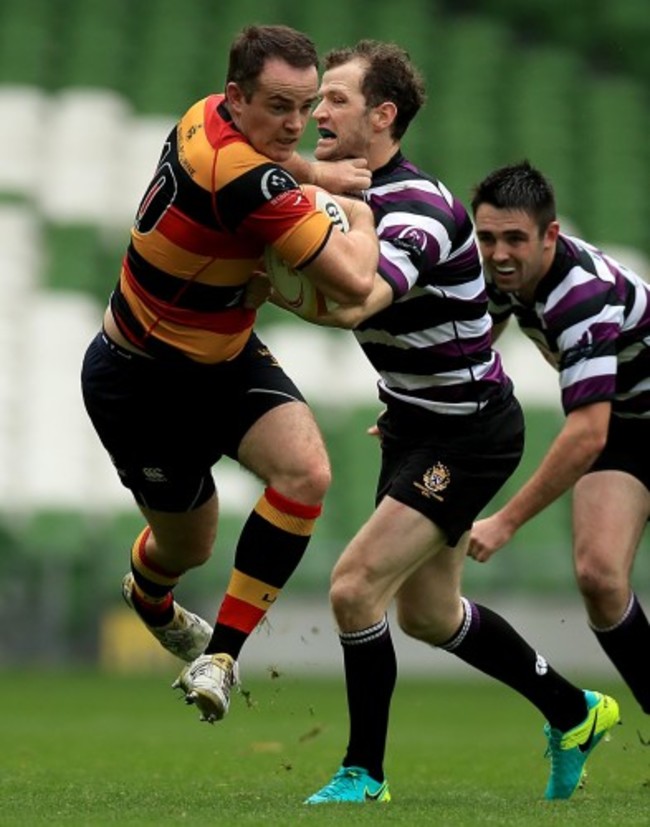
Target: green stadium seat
[355,458]
[542,122]
[464,118]
[95,49]
[614,159]
[26,54]
[58,534]
[169,61]
[418,32]
[74,259]
[538,558]
[627,27]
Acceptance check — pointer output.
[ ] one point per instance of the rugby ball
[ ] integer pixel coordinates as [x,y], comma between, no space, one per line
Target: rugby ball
[294,287]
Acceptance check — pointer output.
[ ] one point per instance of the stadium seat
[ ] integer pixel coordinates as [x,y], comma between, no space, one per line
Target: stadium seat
[628,22]
[421,32]
[81,260]
[543,123]
[614,158]
[62,463]
[23,113]
[21,253]
[167,63]
[21,249]
[132,168]
[25,42]
[85,136]
[464,116]
[59,534]
[96,51]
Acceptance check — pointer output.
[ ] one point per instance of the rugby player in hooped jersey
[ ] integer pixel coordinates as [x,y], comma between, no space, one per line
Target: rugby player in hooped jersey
[590,317]
[451,435]
[177,377]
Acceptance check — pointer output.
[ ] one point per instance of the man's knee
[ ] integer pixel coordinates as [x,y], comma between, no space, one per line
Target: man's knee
[307,483]
[435,626]
[353,601]
[596,581]
[318,479]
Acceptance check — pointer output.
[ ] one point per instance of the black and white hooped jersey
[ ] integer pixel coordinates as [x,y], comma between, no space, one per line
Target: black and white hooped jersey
[432,345]
[591,320]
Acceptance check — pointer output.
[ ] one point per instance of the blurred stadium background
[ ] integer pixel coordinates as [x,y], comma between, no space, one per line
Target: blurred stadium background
[88,90]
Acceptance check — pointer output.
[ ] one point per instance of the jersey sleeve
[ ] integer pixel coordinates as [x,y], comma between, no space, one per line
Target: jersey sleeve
[585,315]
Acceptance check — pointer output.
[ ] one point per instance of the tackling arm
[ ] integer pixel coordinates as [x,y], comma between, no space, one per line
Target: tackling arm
[350,315]
[349,175]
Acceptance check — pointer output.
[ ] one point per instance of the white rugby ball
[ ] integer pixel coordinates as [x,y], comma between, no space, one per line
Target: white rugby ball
[294,288]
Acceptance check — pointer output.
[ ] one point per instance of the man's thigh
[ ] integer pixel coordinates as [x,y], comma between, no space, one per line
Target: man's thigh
[391,545]
[285,441]
[610,513]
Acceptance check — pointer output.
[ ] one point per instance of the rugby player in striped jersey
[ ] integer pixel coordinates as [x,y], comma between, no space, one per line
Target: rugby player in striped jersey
[451,434]
[589,315]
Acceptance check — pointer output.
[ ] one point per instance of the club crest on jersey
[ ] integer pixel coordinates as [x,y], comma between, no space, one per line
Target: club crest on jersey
[275,181]
[434,480]
[412,239]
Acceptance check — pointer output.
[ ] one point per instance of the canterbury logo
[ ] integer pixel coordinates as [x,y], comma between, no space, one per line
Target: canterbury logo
[154,475]
[586,746]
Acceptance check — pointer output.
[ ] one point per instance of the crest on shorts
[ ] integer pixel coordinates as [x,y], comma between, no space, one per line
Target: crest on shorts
[434,480]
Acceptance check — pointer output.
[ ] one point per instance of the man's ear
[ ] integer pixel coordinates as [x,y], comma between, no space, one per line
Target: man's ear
[234,98]
[383,115]
[552,232]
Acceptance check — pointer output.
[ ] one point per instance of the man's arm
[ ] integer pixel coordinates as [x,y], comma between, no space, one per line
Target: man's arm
[350,175]
[345,268]
[349,316]
[571,454]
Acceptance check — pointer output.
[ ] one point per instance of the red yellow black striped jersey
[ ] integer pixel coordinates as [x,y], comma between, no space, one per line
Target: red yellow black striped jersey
[212,206]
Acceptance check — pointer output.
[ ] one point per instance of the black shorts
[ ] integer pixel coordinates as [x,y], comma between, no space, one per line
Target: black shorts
[627,449]
[166,424]
[449,467]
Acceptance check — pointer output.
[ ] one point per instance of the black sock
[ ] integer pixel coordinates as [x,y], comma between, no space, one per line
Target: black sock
[489,643]
[627,645]
[370,674]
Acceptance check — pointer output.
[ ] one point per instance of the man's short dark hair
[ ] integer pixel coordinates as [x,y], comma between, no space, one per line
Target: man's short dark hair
[518,187]
[254,45]
[390,76]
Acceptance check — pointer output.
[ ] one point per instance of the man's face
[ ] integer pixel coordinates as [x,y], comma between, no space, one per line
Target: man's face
[514,254]
[275,117]
[342,116]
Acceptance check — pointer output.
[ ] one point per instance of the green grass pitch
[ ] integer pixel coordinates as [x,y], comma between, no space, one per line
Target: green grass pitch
[81,748]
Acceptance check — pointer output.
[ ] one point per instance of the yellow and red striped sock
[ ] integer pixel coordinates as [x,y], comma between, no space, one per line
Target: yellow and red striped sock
[270,547]
[152,586]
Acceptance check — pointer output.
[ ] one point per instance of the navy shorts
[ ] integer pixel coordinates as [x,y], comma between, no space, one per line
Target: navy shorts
[166,424]
[449,467]
[627,449]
